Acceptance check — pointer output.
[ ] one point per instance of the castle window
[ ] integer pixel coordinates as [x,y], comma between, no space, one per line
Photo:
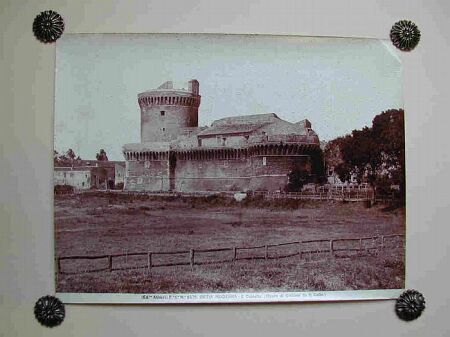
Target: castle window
[264,161]
[163,113]
[199,142]
[164,129]
[224,140]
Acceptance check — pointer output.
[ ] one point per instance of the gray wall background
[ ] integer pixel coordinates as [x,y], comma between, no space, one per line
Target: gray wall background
[26,132]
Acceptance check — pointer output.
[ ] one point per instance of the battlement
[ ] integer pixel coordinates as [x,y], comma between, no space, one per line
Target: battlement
[167,111]
[174,98]
[165,94]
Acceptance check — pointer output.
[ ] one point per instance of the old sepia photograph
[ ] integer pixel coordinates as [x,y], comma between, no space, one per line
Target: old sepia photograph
[206,167]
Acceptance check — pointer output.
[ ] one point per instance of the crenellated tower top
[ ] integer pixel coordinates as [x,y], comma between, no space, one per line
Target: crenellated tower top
[165,111]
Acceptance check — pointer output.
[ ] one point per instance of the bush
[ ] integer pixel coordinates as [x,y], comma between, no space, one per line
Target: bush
[296,179]
[383,188]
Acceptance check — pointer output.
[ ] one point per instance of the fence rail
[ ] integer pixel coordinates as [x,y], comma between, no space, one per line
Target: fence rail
[335,194]
[378,243]
[332,194]
[350,193]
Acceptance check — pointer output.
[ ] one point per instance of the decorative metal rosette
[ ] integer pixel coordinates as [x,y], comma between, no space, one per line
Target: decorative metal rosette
[49,311]
[405,35]
[48,26]
[410,305]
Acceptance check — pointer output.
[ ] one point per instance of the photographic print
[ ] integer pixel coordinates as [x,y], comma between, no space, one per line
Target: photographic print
[194,168]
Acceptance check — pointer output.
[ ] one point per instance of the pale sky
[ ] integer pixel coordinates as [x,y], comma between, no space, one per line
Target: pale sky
[339,84]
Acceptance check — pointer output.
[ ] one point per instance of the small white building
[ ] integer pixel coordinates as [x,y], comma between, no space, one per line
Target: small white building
[78,177]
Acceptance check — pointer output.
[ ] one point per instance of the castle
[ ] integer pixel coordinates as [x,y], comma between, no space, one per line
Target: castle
[254,152]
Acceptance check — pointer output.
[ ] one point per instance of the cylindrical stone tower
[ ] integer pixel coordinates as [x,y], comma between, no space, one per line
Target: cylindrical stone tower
[166,111]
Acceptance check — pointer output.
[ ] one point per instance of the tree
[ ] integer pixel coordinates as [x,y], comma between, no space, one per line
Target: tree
[360,155]
[70,154]
[332,153]
[375,154]
[389,132]
[65,159]
[55,157]
[318,167]
[333,160]
[101,156]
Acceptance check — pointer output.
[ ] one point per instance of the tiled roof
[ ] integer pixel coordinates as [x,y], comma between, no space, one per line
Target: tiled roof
[230,129]
[239,124]
[248,119]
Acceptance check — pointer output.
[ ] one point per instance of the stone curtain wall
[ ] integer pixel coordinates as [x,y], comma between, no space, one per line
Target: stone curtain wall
[147,175]
[258,168]
[212,175]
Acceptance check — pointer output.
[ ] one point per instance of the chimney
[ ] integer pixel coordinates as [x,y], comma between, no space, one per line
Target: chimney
[306,124]
[193,86]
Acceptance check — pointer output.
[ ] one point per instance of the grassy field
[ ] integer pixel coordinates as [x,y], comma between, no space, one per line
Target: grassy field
[100,224]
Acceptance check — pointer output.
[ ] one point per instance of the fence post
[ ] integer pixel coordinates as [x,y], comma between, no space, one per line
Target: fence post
[149,261]
[382,242]
[332,248]
[234,253]
[191,257]
[126,256]
[110,262]
[266,253]
[360,246]
[300,251]
[58,265]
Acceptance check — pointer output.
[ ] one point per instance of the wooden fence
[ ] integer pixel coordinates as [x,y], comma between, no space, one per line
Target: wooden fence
[347,194]
[303,249]
[352,195]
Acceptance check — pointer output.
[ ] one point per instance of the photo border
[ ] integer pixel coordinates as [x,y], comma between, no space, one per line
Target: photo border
[230,297]
[271,297]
